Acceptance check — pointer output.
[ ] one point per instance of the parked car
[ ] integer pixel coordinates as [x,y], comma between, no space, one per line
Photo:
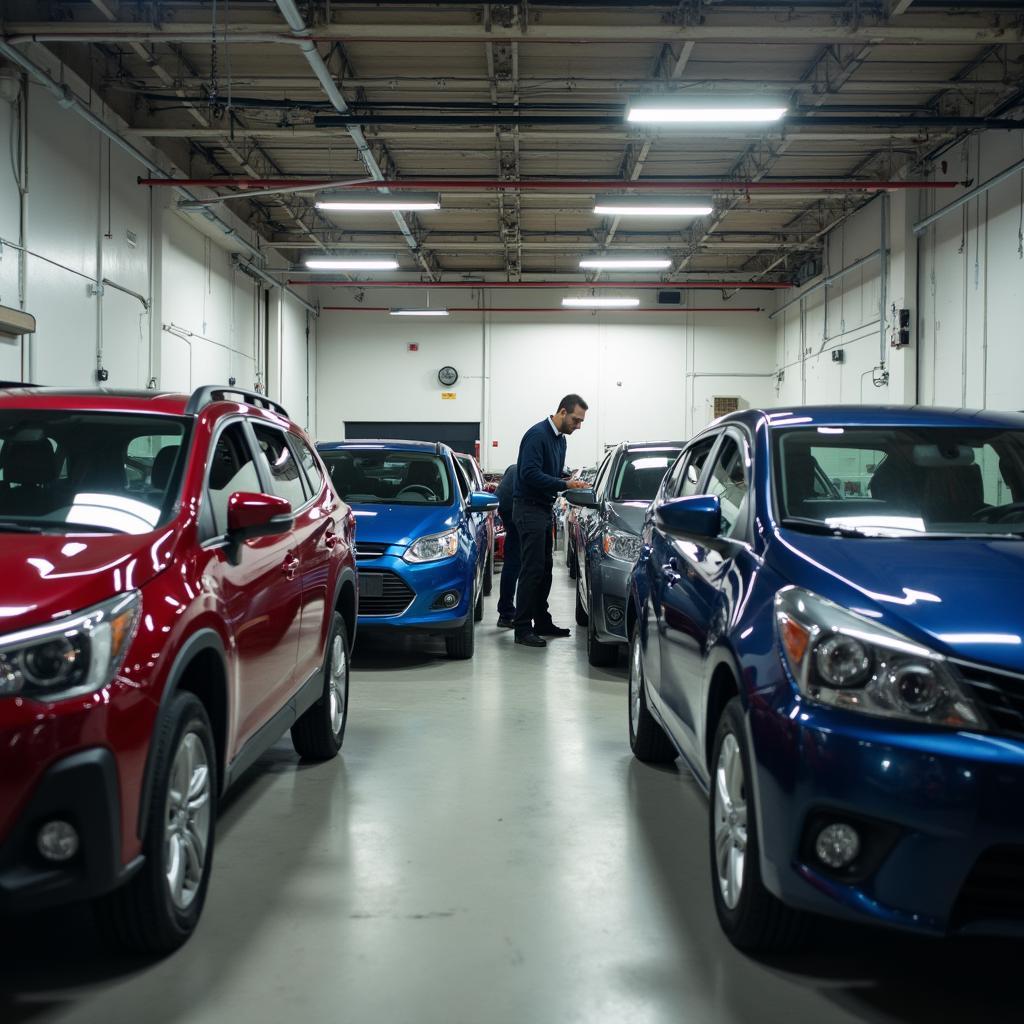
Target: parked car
[423,535]
[471,468]
[567,515]
[842,668]
[180,590]
[607,521]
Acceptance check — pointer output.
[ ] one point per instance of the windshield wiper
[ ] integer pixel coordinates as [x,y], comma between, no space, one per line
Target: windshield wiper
[818,526]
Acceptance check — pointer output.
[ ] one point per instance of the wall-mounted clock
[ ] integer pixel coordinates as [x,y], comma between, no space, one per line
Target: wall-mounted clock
[447,375]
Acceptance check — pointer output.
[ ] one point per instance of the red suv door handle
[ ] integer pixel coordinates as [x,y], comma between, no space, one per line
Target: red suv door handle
[290,568]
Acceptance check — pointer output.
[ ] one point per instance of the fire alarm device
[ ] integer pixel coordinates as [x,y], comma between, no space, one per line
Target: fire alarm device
[413,347]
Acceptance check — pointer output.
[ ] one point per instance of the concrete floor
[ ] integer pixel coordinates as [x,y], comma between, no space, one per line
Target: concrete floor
[486,850]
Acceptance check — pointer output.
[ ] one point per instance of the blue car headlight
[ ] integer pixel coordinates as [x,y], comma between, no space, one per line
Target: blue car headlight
[434,548]
[618,544]
[845,660]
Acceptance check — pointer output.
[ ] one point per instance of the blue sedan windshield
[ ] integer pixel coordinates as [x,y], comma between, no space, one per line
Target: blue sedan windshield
[375,475]
[901,481]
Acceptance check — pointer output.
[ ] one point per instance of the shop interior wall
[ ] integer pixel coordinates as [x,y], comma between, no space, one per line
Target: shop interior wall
[643,380]
[966,299]
[84,221]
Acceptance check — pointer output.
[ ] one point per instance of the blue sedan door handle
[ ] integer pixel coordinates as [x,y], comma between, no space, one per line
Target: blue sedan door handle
[671,572]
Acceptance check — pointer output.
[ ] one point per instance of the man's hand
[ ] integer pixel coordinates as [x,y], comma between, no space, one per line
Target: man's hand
[577,485]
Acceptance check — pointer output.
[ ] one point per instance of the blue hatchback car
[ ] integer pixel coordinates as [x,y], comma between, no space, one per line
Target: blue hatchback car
[421,537]
[826,623]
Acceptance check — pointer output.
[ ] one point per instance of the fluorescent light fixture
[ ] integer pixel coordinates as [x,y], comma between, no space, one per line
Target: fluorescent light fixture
[705,110]
[352,264]
[436,311]
[630,206]
[600,302]
[623,263]
[377,202]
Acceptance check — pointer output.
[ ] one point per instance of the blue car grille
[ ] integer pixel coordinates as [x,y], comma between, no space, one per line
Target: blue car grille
[994,890]
[366,550]
[1000,696]
[395,594]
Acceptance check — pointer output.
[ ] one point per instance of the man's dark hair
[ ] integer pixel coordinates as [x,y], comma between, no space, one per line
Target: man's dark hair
[570,402]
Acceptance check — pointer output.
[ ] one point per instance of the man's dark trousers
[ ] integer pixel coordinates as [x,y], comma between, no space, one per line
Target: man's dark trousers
[510,567]
[533,521]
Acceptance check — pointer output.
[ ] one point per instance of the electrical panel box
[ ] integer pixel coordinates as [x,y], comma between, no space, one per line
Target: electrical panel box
[838,355]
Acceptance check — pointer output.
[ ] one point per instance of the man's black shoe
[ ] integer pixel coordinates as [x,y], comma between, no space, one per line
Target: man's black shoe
[504,623]
[531,640]
[552,630]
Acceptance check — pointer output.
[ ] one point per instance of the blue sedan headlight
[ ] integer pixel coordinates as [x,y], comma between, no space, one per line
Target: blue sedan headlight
[844,660]
[434,548]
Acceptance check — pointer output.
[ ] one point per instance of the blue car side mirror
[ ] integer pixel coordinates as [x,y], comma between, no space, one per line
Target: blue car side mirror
[697,516]
[482,501]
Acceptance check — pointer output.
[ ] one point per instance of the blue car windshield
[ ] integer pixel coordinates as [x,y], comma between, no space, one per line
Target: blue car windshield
[901,481]
[380,476]
[640,473]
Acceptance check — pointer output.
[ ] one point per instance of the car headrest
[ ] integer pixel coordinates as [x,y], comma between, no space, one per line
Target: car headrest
[160,473]
[29,462]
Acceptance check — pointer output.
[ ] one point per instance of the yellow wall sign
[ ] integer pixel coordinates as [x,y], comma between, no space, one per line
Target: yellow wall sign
[447,396]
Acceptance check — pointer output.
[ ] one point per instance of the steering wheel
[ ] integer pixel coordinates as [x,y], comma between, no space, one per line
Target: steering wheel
[998,513]
[420,489]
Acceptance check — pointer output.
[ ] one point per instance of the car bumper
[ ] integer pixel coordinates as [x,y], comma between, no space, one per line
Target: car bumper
[81,789]
[427,583]
[609,591]
[940,813]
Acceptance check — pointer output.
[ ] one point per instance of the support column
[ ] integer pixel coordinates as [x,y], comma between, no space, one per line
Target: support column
[902,294]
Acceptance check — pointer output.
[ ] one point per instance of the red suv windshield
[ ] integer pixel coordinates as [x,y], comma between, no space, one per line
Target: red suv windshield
[74,471]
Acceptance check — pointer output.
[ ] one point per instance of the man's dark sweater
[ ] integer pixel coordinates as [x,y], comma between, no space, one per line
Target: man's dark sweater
[506,493]
[540,465]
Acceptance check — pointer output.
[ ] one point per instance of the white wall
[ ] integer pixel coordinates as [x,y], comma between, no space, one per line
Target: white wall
[645,376]
[963,280]
[117,278]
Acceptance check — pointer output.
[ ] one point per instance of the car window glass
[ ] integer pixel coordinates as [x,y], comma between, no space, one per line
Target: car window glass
[462,478]
[382,476]
[309,463]
[729,482]
[602,472]
[286,479]
[639,474]
[231,469]
[687,479]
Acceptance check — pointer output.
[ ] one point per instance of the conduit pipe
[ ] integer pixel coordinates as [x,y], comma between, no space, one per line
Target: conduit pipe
[291,14]
[556,309]
[587,185]
[1018,168]
[271,282]
[825,282]
[486,285]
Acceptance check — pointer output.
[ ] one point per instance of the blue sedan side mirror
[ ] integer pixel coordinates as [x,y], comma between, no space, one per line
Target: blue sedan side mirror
[584,497]
[698,516]
[482,501]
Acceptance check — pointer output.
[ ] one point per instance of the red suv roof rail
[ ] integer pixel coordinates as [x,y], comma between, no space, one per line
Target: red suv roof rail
[218,393]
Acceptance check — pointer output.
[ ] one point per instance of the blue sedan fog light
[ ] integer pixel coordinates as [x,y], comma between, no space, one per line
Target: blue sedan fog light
[449,599]
[837,845]
[57,841]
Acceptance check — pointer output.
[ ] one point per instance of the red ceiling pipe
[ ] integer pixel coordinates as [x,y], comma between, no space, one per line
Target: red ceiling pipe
[556,309]
[485,285]
[590,185]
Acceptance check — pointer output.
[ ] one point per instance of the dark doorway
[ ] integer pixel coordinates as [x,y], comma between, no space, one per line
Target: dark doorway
[460,436]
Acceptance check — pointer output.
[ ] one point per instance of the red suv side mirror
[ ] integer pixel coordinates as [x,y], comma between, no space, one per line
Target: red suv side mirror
[257,515]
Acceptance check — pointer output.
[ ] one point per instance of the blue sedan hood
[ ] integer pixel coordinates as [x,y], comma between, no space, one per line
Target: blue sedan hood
[958,596]
[402,524]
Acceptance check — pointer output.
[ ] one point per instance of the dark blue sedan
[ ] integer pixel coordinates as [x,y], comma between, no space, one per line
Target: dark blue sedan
[421,538]
[826,623]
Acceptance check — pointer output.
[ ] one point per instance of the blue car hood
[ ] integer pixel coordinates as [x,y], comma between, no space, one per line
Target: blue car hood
[961,597]
[402,524]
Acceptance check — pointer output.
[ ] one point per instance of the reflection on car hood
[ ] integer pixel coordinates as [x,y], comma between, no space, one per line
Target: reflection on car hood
[958,596]
[401,524]
[627,516]
[48,575]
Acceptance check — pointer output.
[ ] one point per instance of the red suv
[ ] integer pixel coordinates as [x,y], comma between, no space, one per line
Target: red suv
[181,589]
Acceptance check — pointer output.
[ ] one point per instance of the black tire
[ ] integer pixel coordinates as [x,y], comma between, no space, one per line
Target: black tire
[599,655]
[461,644]
[478,608]
[758,921]
[582,618]
[141,915]
[647,739]
[488,576]
[318,734]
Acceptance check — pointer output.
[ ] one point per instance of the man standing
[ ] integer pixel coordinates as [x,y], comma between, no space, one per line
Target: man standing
[540,477]
[510,567]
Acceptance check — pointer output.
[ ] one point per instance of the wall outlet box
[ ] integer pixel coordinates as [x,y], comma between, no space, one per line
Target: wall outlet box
[837,355]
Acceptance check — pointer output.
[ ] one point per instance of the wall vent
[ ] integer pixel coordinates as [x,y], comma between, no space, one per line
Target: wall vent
[723,404]
[667,298]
